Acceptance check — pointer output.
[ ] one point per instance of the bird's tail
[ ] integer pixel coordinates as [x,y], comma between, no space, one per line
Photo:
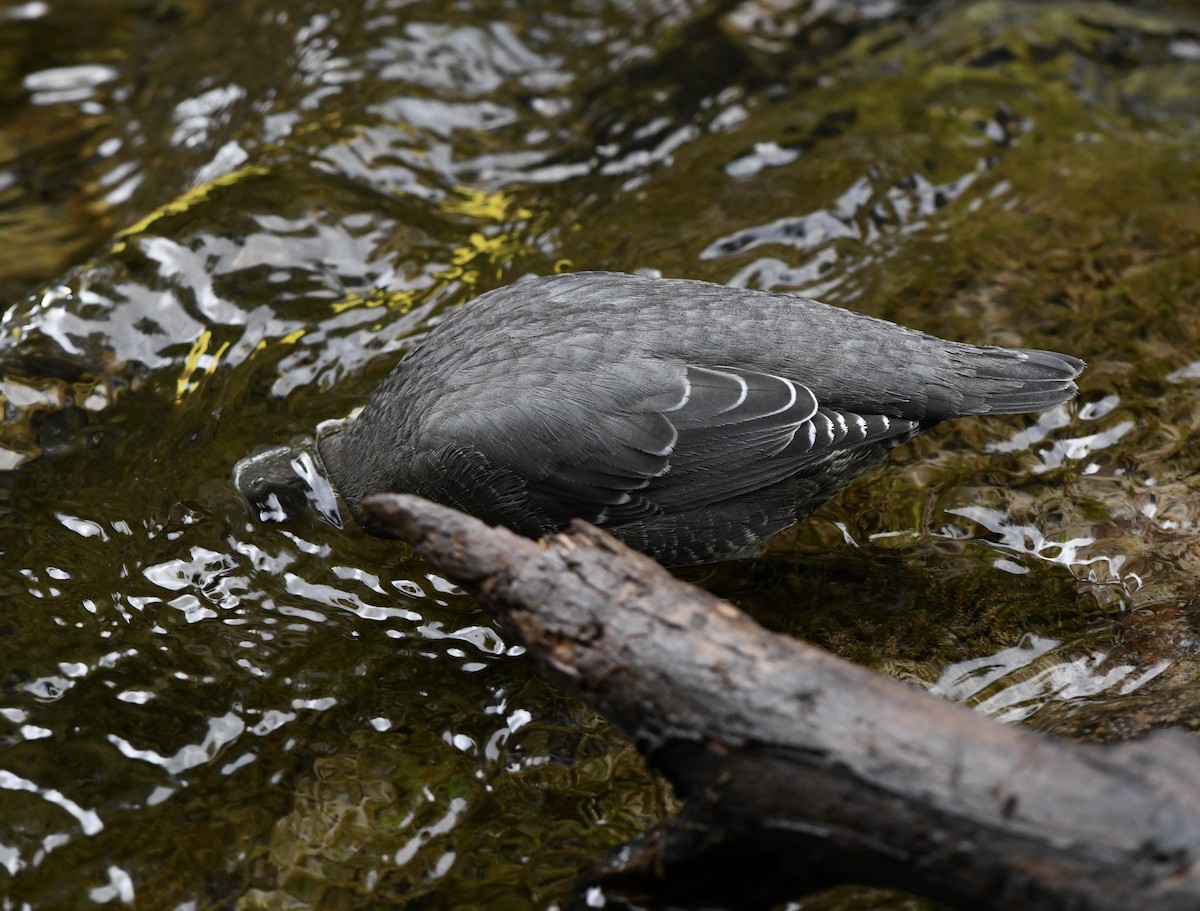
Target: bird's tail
[1012,380]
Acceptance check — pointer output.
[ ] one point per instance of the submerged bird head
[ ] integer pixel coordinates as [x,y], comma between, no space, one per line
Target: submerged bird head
[281,483]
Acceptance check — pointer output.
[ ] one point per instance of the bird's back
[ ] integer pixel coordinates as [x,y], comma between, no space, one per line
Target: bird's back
[600,395]
[595,323]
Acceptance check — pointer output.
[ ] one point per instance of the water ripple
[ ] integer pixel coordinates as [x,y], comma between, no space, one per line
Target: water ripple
[1016,682]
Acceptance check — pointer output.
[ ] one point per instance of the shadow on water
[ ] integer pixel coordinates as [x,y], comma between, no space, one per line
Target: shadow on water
[208,245]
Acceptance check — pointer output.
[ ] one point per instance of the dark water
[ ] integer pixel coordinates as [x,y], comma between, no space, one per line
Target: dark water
[222,222]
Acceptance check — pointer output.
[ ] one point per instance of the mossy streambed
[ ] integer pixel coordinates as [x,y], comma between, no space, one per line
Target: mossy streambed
[223,222]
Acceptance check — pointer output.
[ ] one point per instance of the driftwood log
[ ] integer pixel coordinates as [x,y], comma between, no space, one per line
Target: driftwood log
[800,771]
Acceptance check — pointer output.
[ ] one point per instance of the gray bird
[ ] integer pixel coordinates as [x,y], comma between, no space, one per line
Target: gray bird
[690,420]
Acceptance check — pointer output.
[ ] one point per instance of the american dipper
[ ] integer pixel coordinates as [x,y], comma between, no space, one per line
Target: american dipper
[691,420]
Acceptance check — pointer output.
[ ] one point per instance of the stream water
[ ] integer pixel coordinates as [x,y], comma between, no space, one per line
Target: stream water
[222,221]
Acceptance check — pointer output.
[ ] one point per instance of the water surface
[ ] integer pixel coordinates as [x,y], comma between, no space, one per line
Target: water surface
[222,223]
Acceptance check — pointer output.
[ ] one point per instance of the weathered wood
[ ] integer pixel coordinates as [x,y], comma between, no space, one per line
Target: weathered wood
[801,770]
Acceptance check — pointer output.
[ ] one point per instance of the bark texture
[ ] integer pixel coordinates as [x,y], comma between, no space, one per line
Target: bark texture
[799,770]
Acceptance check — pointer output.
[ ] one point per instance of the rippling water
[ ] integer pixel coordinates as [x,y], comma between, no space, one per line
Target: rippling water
[221,224]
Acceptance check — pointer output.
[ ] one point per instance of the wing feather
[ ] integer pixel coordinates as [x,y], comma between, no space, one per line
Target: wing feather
[718,433]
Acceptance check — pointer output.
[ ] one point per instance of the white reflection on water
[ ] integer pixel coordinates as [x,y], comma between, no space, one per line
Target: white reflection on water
[446,823]
[763,155]
[1074,449]
[221,731]
[1031,541]
[196,117]
[870,213]
[493,749]
[33,10]
[119,888]
[1015,682]
[87,819]
[867,221]
[1183,374]
[67,83]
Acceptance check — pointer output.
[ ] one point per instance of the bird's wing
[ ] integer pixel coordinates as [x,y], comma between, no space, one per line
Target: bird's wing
[709,435]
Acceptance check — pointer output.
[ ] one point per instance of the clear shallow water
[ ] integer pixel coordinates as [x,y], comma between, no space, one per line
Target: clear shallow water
[211,244]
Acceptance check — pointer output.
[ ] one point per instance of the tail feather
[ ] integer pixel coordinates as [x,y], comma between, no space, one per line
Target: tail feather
[1016,380]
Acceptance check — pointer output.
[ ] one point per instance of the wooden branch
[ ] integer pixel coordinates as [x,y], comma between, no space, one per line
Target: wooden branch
[800,770]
